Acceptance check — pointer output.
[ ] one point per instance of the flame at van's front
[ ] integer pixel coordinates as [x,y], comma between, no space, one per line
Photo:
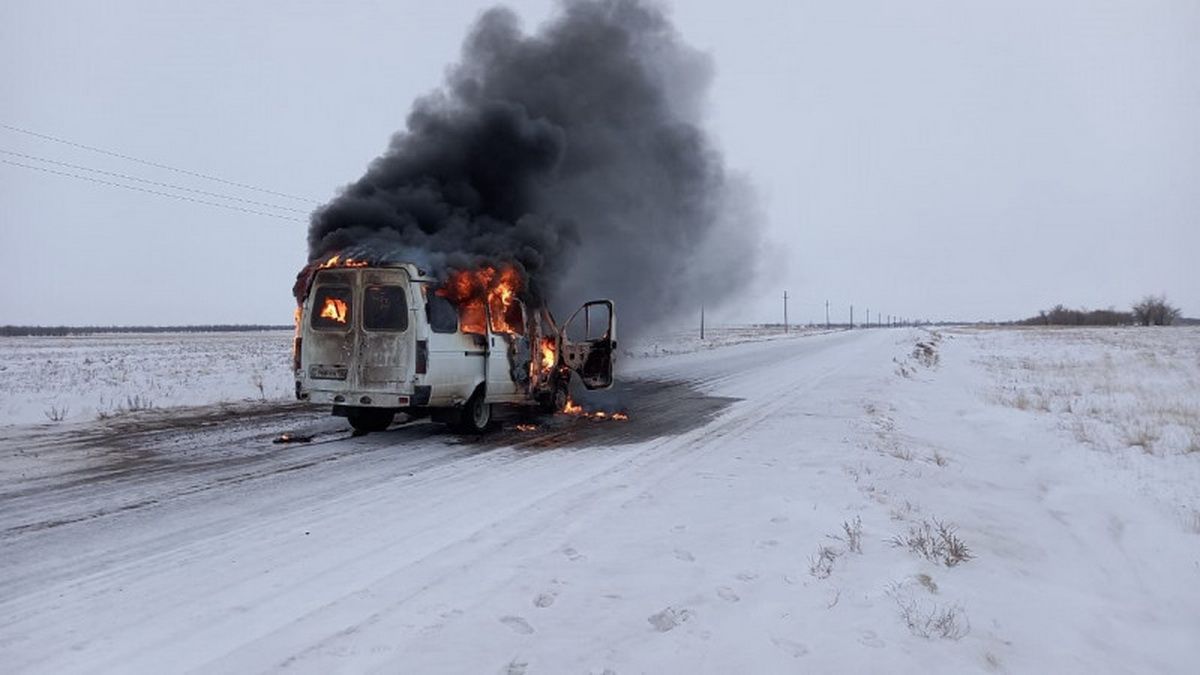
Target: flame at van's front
[334,309]
[549,354]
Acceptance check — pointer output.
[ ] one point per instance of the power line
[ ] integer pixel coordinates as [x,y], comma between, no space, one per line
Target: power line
[153,164]
[151,182]
[153,192]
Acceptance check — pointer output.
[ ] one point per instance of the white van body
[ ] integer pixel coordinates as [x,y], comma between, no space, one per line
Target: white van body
[375,340]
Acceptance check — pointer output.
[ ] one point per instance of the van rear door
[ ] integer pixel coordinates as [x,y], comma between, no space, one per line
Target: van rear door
[588,342]
[386,346]
[329,344]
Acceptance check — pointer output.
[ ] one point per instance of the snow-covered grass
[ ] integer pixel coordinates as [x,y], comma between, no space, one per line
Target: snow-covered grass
[1113,388]
[54,379]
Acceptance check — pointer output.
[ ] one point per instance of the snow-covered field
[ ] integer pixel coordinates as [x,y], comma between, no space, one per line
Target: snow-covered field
[46,379]
[865,501]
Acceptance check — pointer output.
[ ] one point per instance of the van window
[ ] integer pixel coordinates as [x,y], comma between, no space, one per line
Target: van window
[443,318]
[331,308]
[507,318]
[385,308]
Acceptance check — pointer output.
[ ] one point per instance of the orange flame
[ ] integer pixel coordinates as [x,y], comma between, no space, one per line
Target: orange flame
[473,290]
[336,261]
[527,427]
[573,408]
[334,309]
[549,354]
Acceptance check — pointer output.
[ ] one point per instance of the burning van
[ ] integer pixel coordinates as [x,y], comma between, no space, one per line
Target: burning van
[376,339]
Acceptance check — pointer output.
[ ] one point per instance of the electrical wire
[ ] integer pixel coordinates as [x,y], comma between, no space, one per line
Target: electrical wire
[150,182]
[153,192]
[149,163]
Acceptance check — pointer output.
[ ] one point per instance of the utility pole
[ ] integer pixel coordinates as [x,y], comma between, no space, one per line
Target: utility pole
[867,323]
[702,321]
[826,315]
[851,317]
[785,324]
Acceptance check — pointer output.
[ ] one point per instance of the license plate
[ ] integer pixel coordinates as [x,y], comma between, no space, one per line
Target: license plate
[328,372]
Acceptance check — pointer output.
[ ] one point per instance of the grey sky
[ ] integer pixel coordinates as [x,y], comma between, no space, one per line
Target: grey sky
[934,159]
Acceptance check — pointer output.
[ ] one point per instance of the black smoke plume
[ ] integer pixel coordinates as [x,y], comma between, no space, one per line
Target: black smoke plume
[574,153]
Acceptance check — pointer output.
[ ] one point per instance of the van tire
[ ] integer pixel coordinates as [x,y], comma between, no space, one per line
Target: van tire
[370,419]
[557,399]
[476,415]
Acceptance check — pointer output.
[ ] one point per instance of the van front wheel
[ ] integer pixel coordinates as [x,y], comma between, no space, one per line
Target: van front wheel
[476,414]
[370,419]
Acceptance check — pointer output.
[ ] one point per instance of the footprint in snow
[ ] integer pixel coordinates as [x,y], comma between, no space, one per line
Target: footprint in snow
[517,624]
[726,593]
[669,618]
[870,639]
[573,555]
[515,667]
[544,599]
[795,649]
[685,556]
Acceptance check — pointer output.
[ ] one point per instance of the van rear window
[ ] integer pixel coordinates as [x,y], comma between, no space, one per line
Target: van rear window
[331,308]
[385,308]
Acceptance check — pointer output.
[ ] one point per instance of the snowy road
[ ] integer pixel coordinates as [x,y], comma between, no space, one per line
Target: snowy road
[680,541]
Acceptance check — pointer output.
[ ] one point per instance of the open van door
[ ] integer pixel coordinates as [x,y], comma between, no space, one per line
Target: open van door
[589,342]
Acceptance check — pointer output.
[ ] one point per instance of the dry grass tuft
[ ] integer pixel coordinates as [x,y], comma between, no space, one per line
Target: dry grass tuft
[1142,435]
[57,413]
[947,622]
[821,564]
[937,541]
[854,533]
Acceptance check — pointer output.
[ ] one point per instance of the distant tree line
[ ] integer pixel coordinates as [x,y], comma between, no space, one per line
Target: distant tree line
[38,331]
[1151,310]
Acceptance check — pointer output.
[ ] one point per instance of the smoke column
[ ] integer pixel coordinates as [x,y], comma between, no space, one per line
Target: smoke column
[574,153]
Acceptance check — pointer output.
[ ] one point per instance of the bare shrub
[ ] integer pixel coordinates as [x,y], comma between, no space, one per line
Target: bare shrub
[1154,310]
[947,622]
[56,413]
[926,354]
[821,564]
[939,459]
[937,541]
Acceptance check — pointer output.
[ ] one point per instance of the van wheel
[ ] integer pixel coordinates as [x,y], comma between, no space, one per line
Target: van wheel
[476,414]
[556,400]
[370,419]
